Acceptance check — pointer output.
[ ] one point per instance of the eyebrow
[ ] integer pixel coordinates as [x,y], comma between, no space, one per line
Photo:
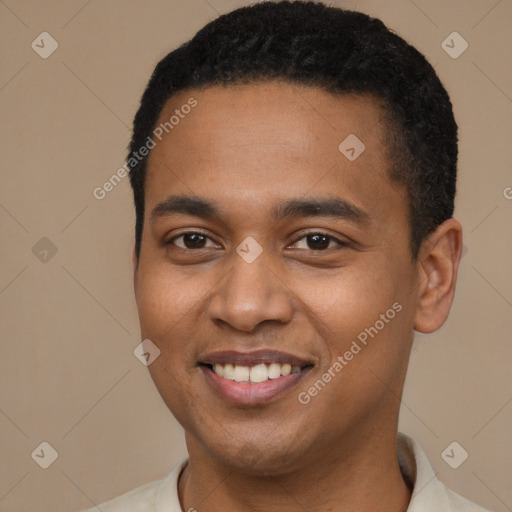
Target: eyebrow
[290,209]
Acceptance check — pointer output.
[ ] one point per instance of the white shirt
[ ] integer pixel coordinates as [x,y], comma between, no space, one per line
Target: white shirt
[429,494]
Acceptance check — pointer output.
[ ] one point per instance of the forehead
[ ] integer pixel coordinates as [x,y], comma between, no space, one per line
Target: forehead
[292,117]
[263,141]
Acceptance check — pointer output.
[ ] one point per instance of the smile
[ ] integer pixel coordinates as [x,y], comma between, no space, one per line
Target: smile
[254,374]
[253,378]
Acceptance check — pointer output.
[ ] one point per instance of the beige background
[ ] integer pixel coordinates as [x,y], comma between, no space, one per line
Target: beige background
[68,375]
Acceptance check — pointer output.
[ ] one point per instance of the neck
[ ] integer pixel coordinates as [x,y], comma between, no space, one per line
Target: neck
[362,475]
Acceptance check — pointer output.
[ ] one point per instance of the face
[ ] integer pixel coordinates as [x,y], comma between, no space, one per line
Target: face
[275,274]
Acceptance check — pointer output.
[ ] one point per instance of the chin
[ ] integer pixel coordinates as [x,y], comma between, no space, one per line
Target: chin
[261,457]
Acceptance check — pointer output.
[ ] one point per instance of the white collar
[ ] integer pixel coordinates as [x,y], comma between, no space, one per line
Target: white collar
[428,492]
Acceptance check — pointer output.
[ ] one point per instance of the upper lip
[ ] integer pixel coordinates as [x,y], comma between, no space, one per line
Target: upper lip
[253,358]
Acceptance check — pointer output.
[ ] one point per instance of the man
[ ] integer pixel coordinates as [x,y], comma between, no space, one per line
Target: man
[294,170]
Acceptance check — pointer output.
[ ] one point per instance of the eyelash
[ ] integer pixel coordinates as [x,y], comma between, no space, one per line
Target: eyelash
[305,235]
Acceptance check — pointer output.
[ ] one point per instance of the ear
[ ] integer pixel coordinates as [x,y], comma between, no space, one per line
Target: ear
[439,258]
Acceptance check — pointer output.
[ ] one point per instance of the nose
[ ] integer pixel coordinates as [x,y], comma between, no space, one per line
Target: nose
[250,295]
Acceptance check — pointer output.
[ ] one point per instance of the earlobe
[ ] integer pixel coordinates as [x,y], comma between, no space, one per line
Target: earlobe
[439,262]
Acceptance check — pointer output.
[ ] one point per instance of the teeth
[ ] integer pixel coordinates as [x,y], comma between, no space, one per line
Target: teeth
[286,369]
[241,374]
[274,371]
[258,373]
[218,369]
[227,373]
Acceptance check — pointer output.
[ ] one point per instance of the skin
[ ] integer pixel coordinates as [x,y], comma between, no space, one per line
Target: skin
[248,148]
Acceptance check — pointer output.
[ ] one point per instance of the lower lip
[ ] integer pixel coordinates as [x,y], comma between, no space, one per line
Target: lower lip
[251,393]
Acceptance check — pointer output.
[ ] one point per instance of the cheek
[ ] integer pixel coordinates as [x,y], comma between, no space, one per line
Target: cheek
[347,302]
[164,299]
[166,303]
[362,316]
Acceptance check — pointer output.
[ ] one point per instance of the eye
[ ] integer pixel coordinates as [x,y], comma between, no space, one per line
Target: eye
[318,242]
[191,240]
[314,241]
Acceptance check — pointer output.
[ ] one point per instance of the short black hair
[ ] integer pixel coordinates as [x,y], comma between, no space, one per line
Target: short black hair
[340,51]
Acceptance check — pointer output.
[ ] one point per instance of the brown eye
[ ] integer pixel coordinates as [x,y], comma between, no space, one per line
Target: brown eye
[190,241]
[318,242]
